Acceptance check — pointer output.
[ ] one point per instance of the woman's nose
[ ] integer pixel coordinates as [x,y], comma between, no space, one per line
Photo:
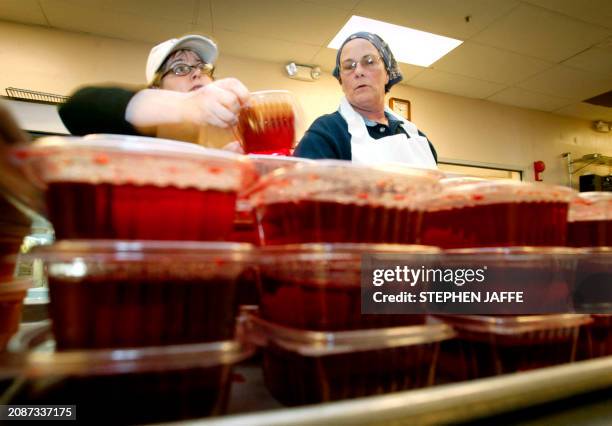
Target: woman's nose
[196,73]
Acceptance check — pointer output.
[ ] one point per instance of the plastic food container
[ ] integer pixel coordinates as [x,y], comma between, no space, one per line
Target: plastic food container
[497,213]
[318,286]
[107,294]
[593,288]
[338,201]
[111,186]
[596,337]
[245,225]
[546,276]
[14,227]
[451,181]
[265,164]
[494,345]
[12,294]
[590,220]
[267,125]
[9,248]
[137,386]
[245,222]
[304,367]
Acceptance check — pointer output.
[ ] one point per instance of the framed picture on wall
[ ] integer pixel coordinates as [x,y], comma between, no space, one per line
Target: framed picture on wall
[400,106]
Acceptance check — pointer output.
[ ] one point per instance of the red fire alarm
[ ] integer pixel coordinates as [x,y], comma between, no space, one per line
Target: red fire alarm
[538,168]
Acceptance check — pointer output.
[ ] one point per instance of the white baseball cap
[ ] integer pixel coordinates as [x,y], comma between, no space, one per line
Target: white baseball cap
[205,48]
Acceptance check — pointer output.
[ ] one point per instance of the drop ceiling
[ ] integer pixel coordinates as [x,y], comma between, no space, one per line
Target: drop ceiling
[547,55]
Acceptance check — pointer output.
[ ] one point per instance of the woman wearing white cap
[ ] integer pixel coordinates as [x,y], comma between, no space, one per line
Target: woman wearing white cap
[180,90]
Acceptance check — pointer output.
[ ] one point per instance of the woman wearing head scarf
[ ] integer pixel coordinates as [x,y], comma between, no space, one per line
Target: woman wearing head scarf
[363,130]
[180,89]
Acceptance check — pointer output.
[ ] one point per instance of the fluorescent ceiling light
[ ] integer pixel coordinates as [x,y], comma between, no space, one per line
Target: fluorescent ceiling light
[408,45]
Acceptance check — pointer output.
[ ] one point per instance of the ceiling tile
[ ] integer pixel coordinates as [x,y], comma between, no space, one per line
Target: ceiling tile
[586,111]
[593,11]
[491,64]
[444,17]
[24,11]
[596,59]
[261,48]
[338,4]
[567,83]
[455,84]
[75,15]
[177,10]
[526,99]
[537,32]
[409,71]
[204,17]
[288,20]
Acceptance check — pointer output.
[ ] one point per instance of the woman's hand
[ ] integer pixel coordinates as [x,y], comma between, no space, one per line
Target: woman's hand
[217,103]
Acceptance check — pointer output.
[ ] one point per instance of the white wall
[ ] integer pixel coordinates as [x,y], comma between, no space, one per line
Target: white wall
[465,129]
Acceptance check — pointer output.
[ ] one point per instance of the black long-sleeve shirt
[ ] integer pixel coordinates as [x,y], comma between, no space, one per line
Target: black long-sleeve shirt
[98,110]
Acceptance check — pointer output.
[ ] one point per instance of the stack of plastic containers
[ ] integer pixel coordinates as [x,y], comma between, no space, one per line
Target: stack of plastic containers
[14,226]
[316,222]
[590,227]
[590,220]
[317,346]
[149,277]
[517,231]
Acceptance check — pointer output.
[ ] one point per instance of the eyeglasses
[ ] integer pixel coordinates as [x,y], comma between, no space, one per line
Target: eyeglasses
[182,69]
[368,62]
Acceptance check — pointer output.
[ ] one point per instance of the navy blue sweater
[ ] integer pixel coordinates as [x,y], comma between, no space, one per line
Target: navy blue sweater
[328,137]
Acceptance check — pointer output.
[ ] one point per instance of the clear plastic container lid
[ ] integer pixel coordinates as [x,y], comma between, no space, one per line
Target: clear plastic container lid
[449,182]
[515,324]
[319,343]
[496,192]
[135,250]
[138,160]
[14,290]
[331,251]
[32,355]
[517,252]
[265,164]
[79,258]
[591,206]
[339,181]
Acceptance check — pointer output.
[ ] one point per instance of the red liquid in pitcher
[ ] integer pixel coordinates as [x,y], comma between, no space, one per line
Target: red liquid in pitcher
[589,233]
[328,221]
[148,212]
[267,129]
[502,224]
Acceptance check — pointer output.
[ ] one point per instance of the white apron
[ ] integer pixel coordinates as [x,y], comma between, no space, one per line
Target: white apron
[413,151]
